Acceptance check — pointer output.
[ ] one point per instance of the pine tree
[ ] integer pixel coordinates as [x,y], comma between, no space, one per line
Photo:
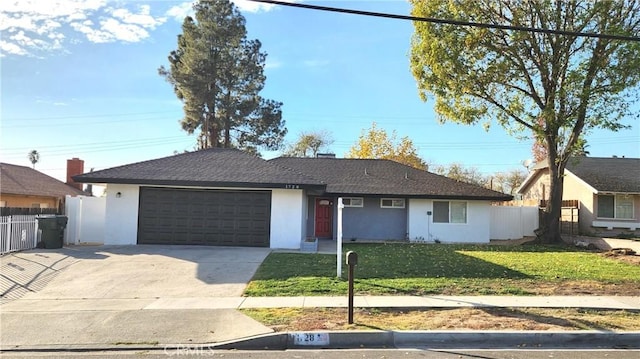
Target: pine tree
[218,74]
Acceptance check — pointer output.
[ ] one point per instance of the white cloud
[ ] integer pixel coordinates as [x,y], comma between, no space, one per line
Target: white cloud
[143,19]
[29,27]
[179,12]
[123,32]
[250,6]
[11,49]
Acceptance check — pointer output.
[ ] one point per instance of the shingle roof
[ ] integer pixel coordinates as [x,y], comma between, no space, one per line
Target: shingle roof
[211,167]
[384,177]
[26,181]
[607,174]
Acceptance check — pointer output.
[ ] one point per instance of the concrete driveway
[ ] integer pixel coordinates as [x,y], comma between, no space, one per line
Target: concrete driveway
[100,272]
[131,294]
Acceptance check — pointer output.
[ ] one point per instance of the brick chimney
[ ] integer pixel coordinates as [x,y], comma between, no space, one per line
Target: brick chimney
[75,166]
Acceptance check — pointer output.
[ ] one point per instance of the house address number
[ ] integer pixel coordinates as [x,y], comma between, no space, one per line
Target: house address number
[311,339]
[292,186]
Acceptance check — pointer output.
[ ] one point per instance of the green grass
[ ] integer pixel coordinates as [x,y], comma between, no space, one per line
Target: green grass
[419,269]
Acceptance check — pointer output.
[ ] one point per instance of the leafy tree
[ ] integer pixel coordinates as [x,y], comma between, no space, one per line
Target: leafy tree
[309,144]
[461,173]
[508,182]
[558,86]
[34,157]
[376,143]
[218,73]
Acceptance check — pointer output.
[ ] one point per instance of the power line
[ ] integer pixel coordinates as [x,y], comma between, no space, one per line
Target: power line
[96,147]
[452,22]
[66,117]
[85,123]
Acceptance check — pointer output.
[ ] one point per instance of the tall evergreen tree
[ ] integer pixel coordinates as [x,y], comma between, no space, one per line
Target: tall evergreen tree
[218,74]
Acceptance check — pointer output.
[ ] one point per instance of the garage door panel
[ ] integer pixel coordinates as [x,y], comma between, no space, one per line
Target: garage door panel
[204,217]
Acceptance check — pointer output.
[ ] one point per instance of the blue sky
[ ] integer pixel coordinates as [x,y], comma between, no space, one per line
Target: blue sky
[79,79]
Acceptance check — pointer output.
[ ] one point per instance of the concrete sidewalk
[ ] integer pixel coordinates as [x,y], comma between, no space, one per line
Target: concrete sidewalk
[404,302]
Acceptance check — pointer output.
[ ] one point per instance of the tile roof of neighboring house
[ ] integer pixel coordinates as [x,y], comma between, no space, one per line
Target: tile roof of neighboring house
[21,180]
[211,167]
[384,177]
[607,174]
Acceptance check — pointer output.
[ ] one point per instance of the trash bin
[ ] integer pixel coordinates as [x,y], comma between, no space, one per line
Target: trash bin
[52,230]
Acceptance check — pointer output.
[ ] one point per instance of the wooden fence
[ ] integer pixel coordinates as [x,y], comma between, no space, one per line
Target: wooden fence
[26,211]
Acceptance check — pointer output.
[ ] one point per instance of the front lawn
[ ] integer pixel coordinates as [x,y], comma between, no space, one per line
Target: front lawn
[427,269]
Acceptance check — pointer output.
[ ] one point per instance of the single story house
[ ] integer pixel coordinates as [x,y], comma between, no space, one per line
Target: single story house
[607,189]
[228,197]
[25,187]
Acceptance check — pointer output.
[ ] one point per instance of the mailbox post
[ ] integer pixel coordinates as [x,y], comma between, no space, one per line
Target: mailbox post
[352,261]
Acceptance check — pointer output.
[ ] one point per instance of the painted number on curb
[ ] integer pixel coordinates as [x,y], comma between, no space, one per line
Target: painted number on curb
[310,338]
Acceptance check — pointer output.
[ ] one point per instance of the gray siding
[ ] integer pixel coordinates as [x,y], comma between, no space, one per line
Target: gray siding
[372,222]
[311,216]
[369,222]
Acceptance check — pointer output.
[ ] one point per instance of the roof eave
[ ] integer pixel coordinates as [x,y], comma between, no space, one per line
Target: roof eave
[182,183]
[425,196]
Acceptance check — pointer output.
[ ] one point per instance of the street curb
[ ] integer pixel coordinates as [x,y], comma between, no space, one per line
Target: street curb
[519,339]
[386,339]
[443,339]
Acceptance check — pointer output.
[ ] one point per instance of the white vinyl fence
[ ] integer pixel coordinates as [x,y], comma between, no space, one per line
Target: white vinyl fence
[17,233]
[86,219]
[509,222]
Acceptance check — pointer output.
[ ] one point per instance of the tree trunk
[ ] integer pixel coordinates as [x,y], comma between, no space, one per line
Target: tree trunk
[213,136]
[227,134]
[553,212]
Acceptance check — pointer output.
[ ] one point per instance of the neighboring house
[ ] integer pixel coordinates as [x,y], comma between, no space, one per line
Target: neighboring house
[24,187]
[608,191]
[228,197]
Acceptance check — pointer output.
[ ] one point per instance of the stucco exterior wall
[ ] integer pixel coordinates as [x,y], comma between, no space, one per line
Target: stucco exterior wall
[575,189]
[287,216]
[11,200]
[539,187]
[121,214]
[476,230]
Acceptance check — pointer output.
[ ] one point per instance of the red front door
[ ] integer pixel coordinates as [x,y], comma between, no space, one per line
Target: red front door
[324,218]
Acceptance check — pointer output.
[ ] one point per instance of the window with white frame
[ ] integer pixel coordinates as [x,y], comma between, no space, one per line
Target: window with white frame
[353,201]
[615,206]
[449,212]
[392,203]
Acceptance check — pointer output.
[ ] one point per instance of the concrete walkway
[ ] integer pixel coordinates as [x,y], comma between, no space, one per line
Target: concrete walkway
[405,302]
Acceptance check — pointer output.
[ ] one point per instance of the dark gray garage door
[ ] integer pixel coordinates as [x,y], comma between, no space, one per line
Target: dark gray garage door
[204,217]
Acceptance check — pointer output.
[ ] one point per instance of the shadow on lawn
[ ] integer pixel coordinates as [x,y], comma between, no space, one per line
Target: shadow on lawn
[448,265]
[546,319]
